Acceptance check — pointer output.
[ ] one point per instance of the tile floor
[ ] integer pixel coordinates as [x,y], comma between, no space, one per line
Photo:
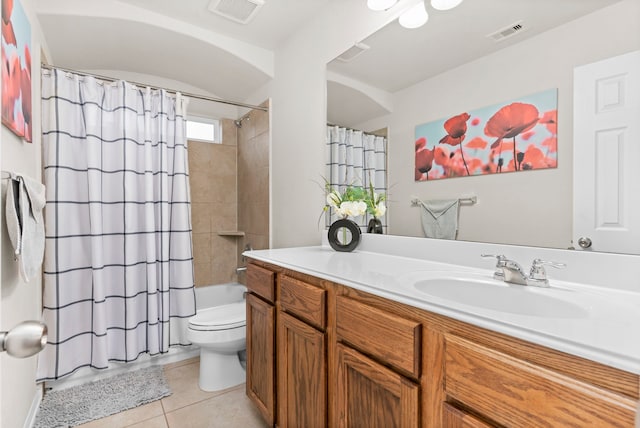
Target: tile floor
[188,406]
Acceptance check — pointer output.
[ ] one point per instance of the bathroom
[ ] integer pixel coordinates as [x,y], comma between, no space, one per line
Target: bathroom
[294,79]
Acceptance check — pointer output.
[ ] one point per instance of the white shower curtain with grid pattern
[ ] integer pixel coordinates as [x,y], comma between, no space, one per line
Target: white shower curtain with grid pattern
[118,269]
[355,158]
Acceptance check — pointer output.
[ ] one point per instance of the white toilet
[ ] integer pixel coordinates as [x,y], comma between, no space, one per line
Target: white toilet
[220,332]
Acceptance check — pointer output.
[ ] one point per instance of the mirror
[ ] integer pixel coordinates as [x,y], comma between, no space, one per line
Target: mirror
[471,57]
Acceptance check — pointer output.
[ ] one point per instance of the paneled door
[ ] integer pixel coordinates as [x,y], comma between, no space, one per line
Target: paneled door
[261,356]
[373,396]
[606,146]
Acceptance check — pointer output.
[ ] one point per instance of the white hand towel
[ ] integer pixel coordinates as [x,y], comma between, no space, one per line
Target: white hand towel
[440,218]
[25,223]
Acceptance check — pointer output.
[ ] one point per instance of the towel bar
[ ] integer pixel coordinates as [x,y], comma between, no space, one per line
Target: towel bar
[469,199]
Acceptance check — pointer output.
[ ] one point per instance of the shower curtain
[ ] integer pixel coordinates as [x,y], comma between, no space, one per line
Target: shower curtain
[359,159]
[118,269]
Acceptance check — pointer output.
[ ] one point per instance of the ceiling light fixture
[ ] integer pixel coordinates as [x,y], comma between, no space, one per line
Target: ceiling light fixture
[380,4]
[445,4]
[414,17]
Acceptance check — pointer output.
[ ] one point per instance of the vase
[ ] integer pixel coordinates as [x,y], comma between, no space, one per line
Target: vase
[344,235]
[374,226]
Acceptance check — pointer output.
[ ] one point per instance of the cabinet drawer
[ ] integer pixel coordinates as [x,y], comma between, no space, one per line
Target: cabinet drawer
[456,418]
[512,392]
[261,281]
[390,338]
[303,300]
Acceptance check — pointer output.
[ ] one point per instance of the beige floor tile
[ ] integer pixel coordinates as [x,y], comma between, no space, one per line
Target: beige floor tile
[181,363]
[128,417]
[229,410]
[183,381]
[158,422]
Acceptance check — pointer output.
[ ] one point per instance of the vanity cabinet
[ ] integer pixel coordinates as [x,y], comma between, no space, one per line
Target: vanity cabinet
[302,355]
[347,358]
[286,349]
[378,389]
[513,392]
[261,312]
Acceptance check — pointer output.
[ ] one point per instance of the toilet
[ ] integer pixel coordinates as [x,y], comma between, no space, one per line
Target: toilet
[220,332]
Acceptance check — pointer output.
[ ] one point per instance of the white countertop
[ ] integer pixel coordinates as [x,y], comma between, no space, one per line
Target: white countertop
[606,328]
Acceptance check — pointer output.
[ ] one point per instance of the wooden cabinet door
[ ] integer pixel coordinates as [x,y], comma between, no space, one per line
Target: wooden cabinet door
[261,356]
[369,395]
[302,374]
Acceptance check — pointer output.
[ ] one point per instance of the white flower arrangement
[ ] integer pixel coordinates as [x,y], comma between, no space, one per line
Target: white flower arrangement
[355,201]
[351,203]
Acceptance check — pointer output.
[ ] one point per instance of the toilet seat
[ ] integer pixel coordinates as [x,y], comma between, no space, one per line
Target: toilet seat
[224,317]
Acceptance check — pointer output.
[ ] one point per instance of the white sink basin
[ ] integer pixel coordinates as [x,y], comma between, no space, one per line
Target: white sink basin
[482,291]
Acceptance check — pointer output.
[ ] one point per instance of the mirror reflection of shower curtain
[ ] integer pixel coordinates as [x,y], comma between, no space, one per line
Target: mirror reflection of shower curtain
[118,267]
[358,159]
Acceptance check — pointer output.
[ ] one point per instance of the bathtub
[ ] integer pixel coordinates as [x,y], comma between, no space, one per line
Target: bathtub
[206,297]
[215,295]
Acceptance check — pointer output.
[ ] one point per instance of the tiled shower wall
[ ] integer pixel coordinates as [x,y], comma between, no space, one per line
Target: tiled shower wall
[214,200]
[253,179]
[229,191]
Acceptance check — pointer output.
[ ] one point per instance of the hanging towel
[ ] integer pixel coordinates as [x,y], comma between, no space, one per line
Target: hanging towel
[24,205]
[440,218]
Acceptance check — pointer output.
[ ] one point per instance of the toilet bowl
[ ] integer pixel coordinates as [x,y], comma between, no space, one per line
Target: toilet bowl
[220,332]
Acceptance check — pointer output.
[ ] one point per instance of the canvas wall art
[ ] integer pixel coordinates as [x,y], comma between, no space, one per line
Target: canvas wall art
[16,69]
[518,135]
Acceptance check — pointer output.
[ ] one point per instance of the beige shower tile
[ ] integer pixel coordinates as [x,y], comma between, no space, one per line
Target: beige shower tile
[261,149]
[128,417]
[250,156]
[229,132]
[183,381]
[231,409]
[224,161]
[203,188]
[261,121]
[258,242]
[202,273]
[258,219]
[247,131]
[201,247]
[199,155]
[223,190]
[223,217]
[201,217]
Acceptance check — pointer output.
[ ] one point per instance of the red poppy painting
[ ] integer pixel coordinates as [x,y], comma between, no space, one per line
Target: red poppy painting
[519,135]
[16,69]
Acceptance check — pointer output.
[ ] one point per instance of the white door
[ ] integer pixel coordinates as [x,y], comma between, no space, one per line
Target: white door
[606,161]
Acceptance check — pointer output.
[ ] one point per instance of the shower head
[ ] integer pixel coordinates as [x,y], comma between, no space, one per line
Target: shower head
[238,122]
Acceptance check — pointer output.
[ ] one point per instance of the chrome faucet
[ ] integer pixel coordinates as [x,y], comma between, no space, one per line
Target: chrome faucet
[510,271]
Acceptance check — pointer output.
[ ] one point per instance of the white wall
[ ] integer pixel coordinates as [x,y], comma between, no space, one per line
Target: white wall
[532,208]
[20,301]
[298,115]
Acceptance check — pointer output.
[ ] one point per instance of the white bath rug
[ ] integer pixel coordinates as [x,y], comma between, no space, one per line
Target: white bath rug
[83,403]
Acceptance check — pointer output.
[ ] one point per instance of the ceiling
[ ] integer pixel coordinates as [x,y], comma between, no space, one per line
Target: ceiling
[183,41]
[274,22]
[399,58]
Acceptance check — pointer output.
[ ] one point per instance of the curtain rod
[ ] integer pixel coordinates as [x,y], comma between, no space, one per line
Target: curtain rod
[173,91]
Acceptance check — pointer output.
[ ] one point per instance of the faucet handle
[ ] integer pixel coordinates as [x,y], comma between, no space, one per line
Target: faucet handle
[538,273]
[500,257]
[501,262]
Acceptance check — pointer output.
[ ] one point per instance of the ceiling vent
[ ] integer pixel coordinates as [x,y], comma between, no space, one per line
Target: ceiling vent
[352,52]
[507,32]
[241,11]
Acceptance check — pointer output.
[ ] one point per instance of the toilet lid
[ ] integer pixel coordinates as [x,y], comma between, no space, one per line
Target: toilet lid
[222,317]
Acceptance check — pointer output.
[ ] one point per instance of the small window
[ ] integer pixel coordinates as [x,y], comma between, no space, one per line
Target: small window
[204,129]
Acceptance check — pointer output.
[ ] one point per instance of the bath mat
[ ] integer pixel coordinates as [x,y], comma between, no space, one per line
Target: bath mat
[83,403]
